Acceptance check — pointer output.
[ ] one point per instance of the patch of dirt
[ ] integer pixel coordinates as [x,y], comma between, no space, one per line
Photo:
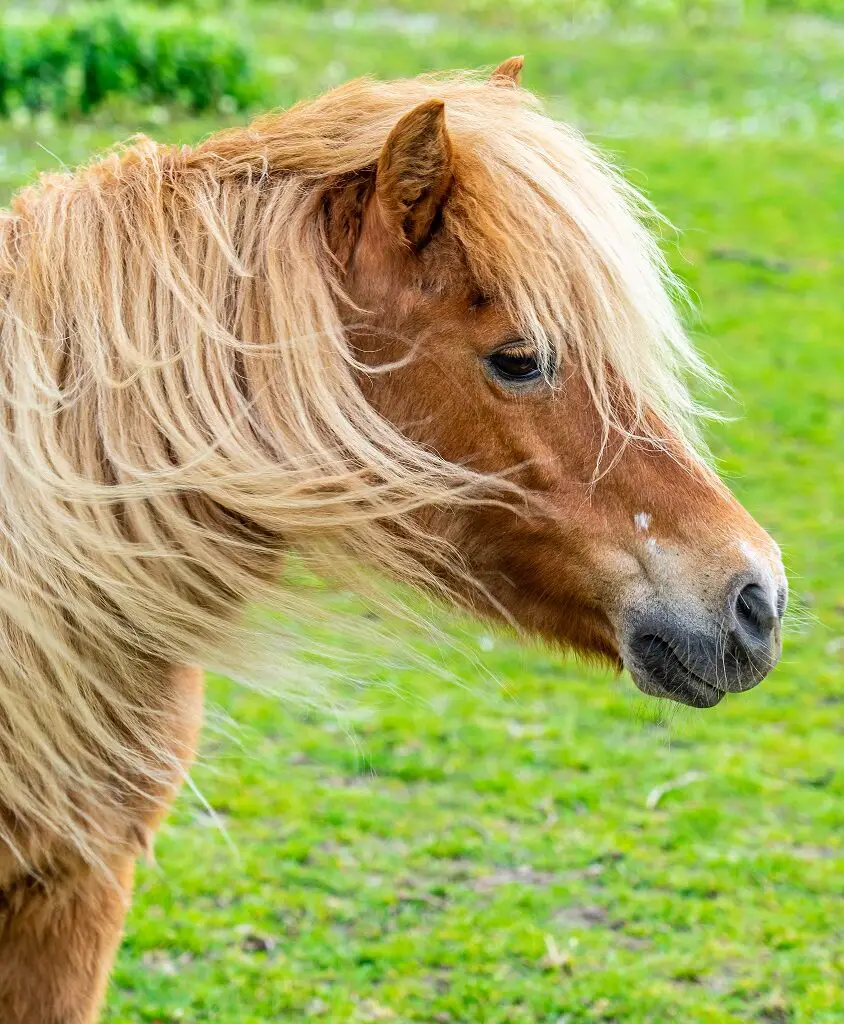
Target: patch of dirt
[524,874]
[588,916]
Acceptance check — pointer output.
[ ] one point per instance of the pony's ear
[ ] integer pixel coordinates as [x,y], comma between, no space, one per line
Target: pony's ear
[509,72]
[414,172]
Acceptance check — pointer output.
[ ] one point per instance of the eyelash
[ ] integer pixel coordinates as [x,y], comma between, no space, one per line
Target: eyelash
[515,364]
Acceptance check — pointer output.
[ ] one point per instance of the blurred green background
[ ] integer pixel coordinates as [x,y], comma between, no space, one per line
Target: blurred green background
[472,839]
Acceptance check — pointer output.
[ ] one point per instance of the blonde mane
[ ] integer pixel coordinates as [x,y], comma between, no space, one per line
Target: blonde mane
[180,403]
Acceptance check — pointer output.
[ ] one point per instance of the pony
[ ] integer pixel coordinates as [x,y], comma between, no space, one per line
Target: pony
[416,326]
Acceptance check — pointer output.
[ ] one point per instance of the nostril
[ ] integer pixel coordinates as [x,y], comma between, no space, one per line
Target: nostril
[755,612]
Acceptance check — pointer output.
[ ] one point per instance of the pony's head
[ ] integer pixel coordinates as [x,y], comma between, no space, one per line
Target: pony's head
[416,322]
[513,316]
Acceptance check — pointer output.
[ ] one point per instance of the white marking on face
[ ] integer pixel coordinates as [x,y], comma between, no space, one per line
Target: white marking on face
[753,555]
[770,560]
[749,552]
[642,521]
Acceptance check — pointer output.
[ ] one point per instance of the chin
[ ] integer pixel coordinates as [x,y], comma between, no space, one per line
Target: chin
[682,687]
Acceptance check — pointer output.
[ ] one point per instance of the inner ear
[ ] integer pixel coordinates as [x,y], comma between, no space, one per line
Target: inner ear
[414,172]
[343,210]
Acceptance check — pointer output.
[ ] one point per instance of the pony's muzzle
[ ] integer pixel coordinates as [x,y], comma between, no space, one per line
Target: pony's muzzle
[696,658]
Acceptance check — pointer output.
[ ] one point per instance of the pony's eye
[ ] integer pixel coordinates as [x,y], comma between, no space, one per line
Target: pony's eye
[515,364]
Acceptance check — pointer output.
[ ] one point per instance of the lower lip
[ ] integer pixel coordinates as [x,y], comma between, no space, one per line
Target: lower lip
[693,692]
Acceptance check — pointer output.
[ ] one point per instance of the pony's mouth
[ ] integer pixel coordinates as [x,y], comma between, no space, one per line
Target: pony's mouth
[659,671]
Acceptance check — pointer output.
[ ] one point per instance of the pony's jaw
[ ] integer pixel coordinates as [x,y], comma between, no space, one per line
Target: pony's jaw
[688,596]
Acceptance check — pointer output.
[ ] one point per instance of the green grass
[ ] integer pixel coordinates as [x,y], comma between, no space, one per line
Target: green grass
[481,850]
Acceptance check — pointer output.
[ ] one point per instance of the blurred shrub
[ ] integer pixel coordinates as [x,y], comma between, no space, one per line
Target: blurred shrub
[70,63]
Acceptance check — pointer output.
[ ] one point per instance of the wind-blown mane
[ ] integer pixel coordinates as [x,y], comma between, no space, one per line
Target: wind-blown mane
[180,402]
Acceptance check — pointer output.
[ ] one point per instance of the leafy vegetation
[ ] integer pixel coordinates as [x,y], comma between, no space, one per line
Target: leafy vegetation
[499,834]
[72,63]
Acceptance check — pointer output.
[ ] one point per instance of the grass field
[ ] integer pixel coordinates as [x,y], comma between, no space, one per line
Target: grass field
[483,848]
